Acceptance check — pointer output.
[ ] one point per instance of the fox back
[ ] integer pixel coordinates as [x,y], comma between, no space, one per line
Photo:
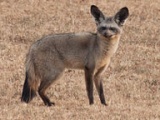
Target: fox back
[49,56]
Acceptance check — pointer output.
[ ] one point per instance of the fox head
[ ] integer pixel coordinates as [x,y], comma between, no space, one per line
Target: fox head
[109,27]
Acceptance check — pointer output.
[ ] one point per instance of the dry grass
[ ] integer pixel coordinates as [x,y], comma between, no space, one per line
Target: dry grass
[131,83]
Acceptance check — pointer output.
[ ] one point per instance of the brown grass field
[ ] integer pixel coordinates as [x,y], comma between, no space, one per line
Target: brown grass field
[131,83]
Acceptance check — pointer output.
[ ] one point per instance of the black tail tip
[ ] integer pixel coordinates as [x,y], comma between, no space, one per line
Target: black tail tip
[27,96]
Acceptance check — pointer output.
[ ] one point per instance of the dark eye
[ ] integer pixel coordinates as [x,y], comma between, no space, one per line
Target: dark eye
[103,28]
[113,29]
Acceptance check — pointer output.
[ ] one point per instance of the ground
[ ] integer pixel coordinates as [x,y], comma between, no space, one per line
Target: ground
[131,83]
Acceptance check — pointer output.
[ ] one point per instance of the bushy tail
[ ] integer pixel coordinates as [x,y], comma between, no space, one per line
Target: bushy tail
[28,93]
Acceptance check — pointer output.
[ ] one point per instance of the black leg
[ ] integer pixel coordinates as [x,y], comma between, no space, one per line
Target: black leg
[89,84]
[46,82]
[99,85]
[101,94]
[43,86]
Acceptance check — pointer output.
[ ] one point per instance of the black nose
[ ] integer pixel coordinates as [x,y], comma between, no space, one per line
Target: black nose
[107,35]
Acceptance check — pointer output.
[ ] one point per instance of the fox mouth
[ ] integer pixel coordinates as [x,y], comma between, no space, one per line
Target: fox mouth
[107,35]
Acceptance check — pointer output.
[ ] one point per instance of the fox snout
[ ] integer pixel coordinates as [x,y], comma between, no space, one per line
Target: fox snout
[109,32]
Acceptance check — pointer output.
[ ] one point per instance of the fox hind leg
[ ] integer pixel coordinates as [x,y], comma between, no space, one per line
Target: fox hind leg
[43,86]
[45,83]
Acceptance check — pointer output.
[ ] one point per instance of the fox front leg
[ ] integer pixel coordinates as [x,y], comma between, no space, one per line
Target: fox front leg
[99,84]
[89,71]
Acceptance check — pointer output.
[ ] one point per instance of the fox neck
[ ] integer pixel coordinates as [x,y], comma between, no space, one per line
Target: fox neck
[108,46]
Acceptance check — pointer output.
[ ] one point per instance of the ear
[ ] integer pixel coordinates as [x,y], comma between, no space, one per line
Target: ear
[121,16]
[97,14]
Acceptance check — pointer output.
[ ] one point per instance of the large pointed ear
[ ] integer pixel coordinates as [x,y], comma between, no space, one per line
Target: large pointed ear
[121,16]
[97,14]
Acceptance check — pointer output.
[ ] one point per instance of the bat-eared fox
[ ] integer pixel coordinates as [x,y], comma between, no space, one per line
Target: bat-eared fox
[51,55]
